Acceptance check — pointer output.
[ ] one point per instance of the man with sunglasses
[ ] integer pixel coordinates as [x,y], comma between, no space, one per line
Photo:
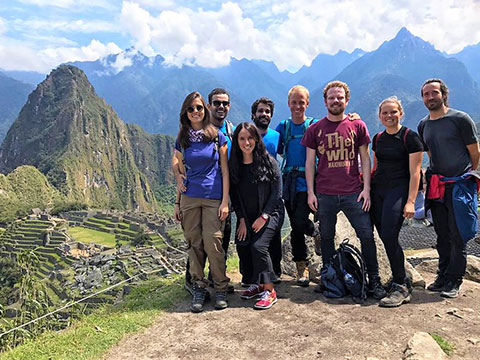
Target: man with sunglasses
[218,105]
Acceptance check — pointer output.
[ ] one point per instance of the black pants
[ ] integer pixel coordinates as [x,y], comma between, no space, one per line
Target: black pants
[275,250]
[255,262]
[451,249]
[298,213]
[227,232]
[387,215]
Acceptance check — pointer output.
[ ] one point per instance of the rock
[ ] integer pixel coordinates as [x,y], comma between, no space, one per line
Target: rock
[473,341]
[423,347]
[473,268]
[416,279]
[94,278]
[430,266]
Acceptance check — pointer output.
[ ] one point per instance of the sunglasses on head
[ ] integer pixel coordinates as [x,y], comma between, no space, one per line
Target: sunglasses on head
[217,103]
[191,109]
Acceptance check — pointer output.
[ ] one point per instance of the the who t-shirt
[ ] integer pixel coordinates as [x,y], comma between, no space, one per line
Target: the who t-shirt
[336,145]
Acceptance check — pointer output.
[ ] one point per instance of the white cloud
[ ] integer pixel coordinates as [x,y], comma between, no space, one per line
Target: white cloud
[69,4]
[77,26]
[16,55]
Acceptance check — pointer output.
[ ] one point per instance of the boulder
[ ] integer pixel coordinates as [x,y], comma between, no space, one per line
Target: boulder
[423,347]
[473,268]
[414,276]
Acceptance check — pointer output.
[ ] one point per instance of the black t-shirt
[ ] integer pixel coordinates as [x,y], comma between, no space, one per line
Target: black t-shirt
[392,152]
[249,192]
[447,138]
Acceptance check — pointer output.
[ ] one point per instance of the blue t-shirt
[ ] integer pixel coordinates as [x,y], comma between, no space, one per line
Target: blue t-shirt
[271,139]
[297,154]
[223,129]
[204,175]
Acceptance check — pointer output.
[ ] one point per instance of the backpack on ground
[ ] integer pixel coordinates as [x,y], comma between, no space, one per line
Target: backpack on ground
[345,274]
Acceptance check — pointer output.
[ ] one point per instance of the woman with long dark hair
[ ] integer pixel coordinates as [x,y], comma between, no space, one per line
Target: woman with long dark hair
[256,197]
[202,202]
[397,157]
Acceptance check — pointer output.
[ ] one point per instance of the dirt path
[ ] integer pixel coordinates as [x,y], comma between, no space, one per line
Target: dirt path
[306,325]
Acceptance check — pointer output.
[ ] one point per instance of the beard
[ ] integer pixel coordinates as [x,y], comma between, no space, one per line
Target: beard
[433,105]
[336,110]
[261,123]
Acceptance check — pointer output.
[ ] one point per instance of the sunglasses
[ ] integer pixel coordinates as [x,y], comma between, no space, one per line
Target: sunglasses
[217,103]
[191,109]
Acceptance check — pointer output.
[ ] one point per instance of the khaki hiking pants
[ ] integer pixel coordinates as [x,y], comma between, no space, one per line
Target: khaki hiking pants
[203,231]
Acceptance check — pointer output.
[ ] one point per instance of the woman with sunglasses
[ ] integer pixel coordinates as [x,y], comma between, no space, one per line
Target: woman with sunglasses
[202,203]
[397,157]
[256,198]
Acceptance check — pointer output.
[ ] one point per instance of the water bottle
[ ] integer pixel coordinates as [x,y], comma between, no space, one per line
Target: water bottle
[349,281]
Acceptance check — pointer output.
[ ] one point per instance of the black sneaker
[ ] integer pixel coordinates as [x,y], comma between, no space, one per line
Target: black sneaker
[451,289]
[198,299]
[437,285]
[221,300]
[376,289]
[398,295]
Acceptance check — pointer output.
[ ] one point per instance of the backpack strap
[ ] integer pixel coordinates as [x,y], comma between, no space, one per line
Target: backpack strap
[286,140]
[229,128]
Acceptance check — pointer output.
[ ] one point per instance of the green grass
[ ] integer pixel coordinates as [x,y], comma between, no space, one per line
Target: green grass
[2,230]
[93,335]
[444,344]
[88,235]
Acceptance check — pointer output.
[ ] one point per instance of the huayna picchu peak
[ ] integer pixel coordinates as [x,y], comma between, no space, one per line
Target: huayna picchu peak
[82,146]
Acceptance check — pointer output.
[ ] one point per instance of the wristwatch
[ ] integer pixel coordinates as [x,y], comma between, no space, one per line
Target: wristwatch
[265,216]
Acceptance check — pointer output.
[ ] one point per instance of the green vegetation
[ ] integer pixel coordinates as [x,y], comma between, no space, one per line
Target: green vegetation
[444,344]
[85,235]
[10,274]
[94,334]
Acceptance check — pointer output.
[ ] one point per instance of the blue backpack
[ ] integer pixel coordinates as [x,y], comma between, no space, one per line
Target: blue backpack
[345,274]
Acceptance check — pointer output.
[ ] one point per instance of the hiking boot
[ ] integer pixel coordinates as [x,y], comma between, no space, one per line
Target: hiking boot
[451,289]
[252,292]
[198,299]
[266,301]
[438,284]
[302,274]
[375,288]
[398,295]
[221,300]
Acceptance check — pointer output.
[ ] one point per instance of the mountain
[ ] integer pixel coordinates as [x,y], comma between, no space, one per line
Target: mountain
[27,77]
[23,189]
[470,56]
[13,94]
[80,144]
[399,67]
[325,67]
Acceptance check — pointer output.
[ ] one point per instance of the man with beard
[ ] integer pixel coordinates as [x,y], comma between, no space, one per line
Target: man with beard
[337,141]
[262,112]
[218,105]
[450,137]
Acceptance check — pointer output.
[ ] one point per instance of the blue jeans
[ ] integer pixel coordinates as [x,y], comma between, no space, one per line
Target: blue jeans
[328,208]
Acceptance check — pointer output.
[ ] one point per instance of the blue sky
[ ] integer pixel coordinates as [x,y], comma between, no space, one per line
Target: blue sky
[40,34]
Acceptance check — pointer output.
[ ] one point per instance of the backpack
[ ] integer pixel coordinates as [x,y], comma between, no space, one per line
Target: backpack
[229,128]
[287,137]
[345,273]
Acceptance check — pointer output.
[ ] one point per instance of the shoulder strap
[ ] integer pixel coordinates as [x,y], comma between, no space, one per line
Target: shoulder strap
[377,137]
[407,130]
[229,128]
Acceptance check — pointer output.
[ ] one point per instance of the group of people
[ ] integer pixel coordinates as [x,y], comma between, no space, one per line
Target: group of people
[325,168]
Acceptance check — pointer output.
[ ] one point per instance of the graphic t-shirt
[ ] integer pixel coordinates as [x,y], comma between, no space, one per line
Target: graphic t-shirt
[336,145]
[271,139]
[296,154]
[204,175]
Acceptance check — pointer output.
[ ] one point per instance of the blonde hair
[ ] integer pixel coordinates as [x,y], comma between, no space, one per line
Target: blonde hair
[391,99]
[298,88]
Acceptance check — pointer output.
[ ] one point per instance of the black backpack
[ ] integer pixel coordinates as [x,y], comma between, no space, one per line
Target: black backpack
[345,273]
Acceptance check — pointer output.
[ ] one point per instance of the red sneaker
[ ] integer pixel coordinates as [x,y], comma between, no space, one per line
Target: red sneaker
[252,292]
[266,301]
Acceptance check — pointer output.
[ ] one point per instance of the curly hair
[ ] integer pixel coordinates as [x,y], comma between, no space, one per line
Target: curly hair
[262,168]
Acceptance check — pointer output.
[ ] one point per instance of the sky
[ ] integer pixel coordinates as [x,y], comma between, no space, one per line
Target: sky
[38,35]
